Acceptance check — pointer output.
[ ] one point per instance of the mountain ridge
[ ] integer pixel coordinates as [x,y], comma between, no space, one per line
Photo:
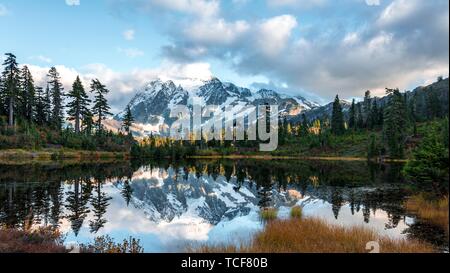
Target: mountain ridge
[152,104]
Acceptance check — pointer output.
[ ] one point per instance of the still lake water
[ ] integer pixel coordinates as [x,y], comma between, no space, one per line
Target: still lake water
[171,205]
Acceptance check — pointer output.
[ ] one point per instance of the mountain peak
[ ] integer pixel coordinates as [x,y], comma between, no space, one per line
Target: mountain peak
[151,106]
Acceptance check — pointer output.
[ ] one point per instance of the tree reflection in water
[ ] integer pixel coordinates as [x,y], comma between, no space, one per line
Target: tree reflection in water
[39,195]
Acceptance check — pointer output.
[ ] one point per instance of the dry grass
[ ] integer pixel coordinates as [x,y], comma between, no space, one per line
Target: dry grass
[268,214]
[433,211]
[17,156]
[38,241]
[316,236]
[297,212]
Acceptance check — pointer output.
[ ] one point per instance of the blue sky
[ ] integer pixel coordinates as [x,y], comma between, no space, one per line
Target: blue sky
[315,48]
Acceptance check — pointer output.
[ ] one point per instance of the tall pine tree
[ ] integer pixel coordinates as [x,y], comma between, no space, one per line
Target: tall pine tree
[395,123]
[2,99]
[352,116]
[78,105]
[304,129]
[47,105]
[101,108]
[56,92]
[27,94]
[367,105]
[360,117]
[11,80]
[337,119]
[41,114]
[128,120]
[374,115]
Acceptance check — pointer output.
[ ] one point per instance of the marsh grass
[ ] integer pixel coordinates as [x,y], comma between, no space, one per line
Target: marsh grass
[268,214]
[43,240]
[297,212]
[434,211]
[311,235]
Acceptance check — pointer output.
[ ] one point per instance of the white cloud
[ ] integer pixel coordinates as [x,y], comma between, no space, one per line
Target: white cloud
[131,52]
[216,31]
[274,34]
[373,2]
[129,34]
[351,39]
[398,11]
[73,2]
[123,85]
[3,10]
[68,75]
[41,58]
[204,8]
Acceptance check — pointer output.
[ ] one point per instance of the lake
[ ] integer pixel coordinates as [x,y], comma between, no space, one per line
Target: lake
[171,205]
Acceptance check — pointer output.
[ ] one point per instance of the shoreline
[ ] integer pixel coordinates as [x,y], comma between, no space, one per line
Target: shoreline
[19,156]
[295,157]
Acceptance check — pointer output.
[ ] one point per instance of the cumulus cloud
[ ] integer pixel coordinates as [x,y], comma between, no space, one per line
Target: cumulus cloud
[123,85]
[202,8]
[73,2]
[216,31]
[342,47]
[274,33]
[401,52]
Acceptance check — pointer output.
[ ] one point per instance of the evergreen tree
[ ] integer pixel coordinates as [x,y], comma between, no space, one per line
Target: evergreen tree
[394,125]
[56,91]
[128,120]
[431,162]
[27,94]
[367,104]
[412,113]
[2,99]
[11,80]
[352,116]
[374,115]
[337,119]
[433,105]
[380,116]
[47,105]
[304,127]
[101,108]
[78,106]
[445,132]
[41,115]
[360,120]
[282,133]
[88,122]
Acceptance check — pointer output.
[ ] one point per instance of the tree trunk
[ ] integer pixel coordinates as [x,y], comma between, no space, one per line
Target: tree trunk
[77,124]
[11,111]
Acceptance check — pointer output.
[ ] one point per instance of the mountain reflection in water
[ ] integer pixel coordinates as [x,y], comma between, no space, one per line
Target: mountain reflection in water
[171,205]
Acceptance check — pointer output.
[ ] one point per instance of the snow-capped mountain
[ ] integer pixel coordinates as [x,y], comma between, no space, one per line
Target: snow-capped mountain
[322,111]
[152,105]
